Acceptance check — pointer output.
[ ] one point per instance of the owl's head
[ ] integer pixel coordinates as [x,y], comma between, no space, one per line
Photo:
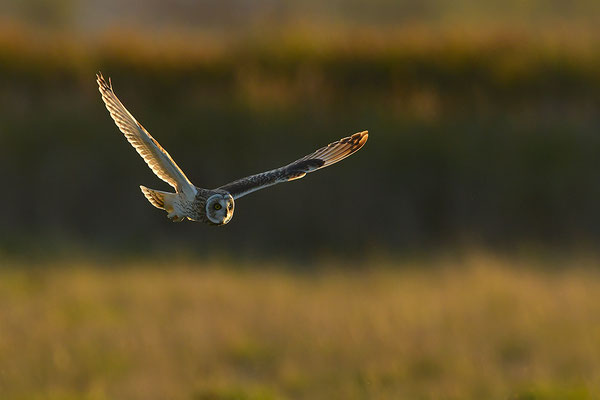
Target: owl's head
[219,208]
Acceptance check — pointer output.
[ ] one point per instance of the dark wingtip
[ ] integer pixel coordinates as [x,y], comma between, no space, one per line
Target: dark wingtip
[360,137]
[357,140]
[102,82]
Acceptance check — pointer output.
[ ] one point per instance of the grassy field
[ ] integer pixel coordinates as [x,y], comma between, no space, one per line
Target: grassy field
[477,327]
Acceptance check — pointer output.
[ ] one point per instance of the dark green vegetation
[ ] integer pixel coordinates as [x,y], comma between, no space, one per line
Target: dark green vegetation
[489,138]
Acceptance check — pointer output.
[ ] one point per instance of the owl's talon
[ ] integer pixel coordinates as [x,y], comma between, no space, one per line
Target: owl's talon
[175,218]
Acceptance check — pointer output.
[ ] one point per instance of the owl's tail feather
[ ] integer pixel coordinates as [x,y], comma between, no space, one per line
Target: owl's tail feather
[158,198]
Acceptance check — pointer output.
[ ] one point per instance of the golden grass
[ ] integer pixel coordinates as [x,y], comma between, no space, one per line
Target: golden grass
[422,71]
[396,58]
[478,328]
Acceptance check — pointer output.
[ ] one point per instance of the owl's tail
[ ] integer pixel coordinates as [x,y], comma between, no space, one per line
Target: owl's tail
[158,198]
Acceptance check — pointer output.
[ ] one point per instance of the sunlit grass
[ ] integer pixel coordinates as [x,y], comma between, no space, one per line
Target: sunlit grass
[475,328]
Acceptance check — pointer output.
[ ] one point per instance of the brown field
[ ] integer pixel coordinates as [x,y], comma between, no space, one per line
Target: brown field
[479,327]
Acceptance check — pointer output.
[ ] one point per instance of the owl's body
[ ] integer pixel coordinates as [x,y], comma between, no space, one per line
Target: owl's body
[216,206]
[201,207]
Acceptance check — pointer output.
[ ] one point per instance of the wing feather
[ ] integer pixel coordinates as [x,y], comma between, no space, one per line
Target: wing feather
[157,158]
[318,159]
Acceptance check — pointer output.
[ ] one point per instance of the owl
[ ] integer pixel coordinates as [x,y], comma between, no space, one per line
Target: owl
[211,206]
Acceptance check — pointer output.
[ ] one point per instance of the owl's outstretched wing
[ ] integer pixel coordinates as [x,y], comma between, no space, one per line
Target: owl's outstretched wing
[157,158]
[321,158]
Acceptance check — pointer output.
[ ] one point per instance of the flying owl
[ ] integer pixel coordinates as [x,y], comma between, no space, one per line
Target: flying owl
[212,206]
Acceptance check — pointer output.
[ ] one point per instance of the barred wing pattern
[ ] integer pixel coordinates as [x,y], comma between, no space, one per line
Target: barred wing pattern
[157,158]
[321,158]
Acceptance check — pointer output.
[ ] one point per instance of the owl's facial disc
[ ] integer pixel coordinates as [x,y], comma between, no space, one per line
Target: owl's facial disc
[219,208]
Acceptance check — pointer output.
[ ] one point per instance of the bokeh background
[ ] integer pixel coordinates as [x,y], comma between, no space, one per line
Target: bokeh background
[455,256]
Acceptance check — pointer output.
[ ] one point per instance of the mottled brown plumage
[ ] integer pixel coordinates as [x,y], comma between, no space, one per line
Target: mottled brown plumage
[215,206]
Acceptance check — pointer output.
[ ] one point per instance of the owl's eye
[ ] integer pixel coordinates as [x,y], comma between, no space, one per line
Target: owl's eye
[217,206]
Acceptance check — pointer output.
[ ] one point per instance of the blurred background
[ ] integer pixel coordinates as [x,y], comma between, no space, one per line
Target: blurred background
[449,258]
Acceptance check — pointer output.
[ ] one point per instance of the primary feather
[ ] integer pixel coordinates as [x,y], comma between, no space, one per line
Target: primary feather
[323,157]
[157,158]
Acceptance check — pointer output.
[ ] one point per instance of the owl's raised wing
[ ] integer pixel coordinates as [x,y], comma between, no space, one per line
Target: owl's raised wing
[321,158]
[157,158]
